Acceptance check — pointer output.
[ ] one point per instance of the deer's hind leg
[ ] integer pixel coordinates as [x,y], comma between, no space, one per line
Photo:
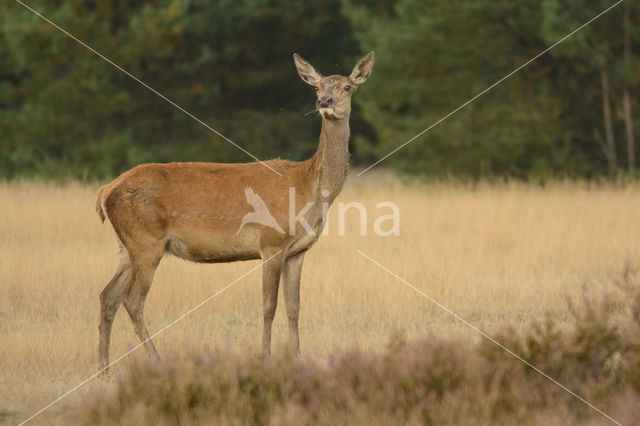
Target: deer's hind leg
[110,299]
[143,267]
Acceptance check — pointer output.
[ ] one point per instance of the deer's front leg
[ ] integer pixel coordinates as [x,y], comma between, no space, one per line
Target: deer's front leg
[270,280]
[291,289]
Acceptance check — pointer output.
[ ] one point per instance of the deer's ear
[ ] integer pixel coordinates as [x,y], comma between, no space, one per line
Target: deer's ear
[363,69]
[307,73]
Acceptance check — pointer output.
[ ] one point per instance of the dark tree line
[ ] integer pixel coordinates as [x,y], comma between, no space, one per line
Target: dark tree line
[64,112]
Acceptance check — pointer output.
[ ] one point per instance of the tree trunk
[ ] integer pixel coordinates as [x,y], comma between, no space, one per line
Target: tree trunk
[610,145]
[626,99]
[628,124]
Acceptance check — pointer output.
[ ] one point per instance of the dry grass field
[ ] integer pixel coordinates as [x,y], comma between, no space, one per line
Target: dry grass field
[494,254]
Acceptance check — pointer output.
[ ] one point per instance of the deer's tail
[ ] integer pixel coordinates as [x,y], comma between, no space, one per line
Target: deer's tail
[100,203]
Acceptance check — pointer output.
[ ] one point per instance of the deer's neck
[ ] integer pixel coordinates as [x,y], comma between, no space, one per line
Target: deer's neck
[331,161]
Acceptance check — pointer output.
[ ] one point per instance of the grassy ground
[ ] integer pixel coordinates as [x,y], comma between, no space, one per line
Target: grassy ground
[494,254]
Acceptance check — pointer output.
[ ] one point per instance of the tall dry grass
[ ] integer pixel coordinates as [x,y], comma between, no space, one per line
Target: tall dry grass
[494,254]
[427,381]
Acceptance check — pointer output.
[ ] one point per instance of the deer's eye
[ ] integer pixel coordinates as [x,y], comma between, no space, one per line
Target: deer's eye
[347,88]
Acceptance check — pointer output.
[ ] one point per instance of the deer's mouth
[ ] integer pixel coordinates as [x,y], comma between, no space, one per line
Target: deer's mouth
[328,112]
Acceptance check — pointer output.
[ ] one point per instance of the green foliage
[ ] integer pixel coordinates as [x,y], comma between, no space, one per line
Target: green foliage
[425,382]
[434,56]
[64,112]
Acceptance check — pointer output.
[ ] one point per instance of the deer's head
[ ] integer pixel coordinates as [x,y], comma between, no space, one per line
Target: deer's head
[335,91]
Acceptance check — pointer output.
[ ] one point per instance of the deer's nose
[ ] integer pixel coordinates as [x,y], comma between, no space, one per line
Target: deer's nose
[325,101]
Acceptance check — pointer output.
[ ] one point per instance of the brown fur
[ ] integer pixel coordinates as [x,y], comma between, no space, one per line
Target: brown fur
[193,210]
[99,205]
